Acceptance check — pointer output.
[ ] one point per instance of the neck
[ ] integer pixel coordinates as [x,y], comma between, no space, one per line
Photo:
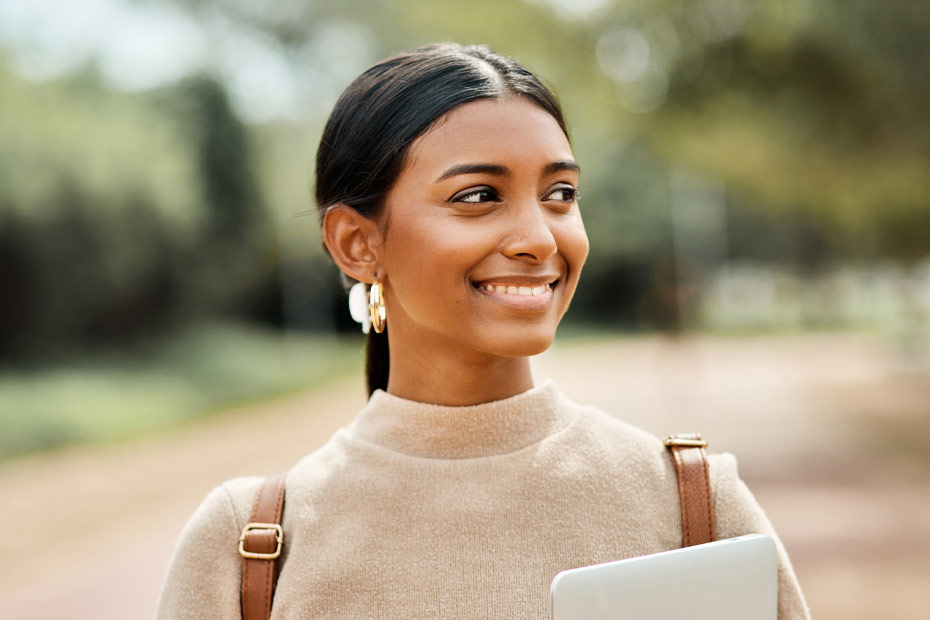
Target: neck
[455,379]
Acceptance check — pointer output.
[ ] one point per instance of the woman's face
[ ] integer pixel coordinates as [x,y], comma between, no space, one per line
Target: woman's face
[483,241]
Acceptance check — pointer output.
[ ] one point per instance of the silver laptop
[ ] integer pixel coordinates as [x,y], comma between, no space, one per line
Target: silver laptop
[733,579]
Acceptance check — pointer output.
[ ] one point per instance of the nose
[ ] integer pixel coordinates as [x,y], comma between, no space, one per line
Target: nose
[530,236]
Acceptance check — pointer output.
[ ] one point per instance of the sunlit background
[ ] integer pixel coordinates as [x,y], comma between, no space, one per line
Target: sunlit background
[756,188]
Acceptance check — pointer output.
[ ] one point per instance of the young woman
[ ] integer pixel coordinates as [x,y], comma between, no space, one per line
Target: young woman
[447,184]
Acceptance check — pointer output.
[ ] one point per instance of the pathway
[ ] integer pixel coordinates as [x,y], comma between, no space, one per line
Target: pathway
[832,433]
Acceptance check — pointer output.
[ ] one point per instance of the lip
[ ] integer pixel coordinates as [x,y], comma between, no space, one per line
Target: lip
[519,302]
[518,280]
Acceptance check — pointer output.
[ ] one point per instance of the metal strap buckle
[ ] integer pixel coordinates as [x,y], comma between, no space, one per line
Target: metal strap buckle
[681,442]
[279,538]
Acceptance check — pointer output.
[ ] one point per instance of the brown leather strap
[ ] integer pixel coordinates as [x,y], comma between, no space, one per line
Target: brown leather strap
[697,501]
[260,546]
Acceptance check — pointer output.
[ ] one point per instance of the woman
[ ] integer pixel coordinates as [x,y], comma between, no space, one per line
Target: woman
[447,183]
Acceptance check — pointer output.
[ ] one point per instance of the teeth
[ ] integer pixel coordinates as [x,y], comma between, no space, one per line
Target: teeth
[516,290]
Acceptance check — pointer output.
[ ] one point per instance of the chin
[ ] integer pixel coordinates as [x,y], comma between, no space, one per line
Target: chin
[521,345]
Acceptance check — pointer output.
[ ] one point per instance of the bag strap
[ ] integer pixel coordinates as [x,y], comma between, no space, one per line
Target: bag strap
[260,547]
[697,501]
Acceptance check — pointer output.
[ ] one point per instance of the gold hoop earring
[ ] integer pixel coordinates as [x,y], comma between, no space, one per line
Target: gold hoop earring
[376,307]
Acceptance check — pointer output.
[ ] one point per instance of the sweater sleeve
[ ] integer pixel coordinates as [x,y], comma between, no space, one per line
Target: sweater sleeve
[737,513]
[204,574]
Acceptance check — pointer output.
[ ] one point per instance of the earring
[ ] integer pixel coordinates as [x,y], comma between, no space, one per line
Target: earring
[358,306]
[376,310]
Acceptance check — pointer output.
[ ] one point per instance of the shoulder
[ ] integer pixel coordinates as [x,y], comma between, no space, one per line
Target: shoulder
[203,576]
[221,515]
[594,421]
[736,510]
[644,457]
[228,505]
[606,453]
[218,519]
[639,447]
[616,440]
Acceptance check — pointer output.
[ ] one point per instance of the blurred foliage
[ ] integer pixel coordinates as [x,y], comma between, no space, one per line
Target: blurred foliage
[811,115]
[162,382]
[123,213]
[97,197]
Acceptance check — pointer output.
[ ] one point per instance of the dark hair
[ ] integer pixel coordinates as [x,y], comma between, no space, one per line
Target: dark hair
[384,110]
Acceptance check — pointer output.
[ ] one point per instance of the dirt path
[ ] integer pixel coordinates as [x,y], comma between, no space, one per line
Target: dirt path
[832,433]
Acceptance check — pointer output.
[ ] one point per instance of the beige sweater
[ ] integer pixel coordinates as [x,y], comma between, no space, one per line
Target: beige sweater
[426,511]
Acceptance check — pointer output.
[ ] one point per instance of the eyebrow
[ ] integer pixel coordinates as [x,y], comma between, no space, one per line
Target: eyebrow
[562,164]
[502,171]
[492,169]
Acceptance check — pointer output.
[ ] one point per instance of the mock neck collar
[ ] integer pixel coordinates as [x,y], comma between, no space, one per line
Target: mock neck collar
[446,432]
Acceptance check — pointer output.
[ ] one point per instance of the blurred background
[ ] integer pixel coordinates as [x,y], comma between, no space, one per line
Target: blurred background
[756,190]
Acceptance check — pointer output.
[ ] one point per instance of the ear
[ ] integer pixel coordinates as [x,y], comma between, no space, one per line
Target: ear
[354,241]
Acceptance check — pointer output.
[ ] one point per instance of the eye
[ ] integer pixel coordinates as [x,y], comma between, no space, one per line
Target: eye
[563,193]
[476,195]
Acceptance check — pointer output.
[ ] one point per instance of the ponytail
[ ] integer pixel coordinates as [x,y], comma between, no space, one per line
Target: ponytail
[377,361]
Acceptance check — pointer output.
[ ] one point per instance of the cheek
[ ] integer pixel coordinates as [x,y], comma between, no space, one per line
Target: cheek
[573,244]
[428,264]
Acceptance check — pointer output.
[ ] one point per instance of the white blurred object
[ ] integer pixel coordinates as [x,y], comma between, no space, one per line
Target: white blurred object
[358,306]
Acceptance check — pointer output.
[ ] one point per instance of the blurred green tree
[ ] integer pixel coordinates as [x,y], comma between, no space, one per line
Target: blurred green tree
[122,211]
[810,114]
[234,257]
[114,221]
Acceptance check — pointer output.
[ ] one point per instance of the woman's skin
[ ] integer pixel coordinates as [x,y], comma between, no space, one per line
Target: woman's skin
[487,197]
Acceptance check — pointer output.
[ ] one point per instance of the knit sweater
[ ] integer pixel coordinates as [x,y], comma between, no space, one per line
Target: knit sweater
[426,511]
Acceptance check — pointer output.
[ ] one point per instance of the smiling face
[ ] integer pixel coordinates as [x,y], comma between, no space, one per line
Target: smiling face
[483,240]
